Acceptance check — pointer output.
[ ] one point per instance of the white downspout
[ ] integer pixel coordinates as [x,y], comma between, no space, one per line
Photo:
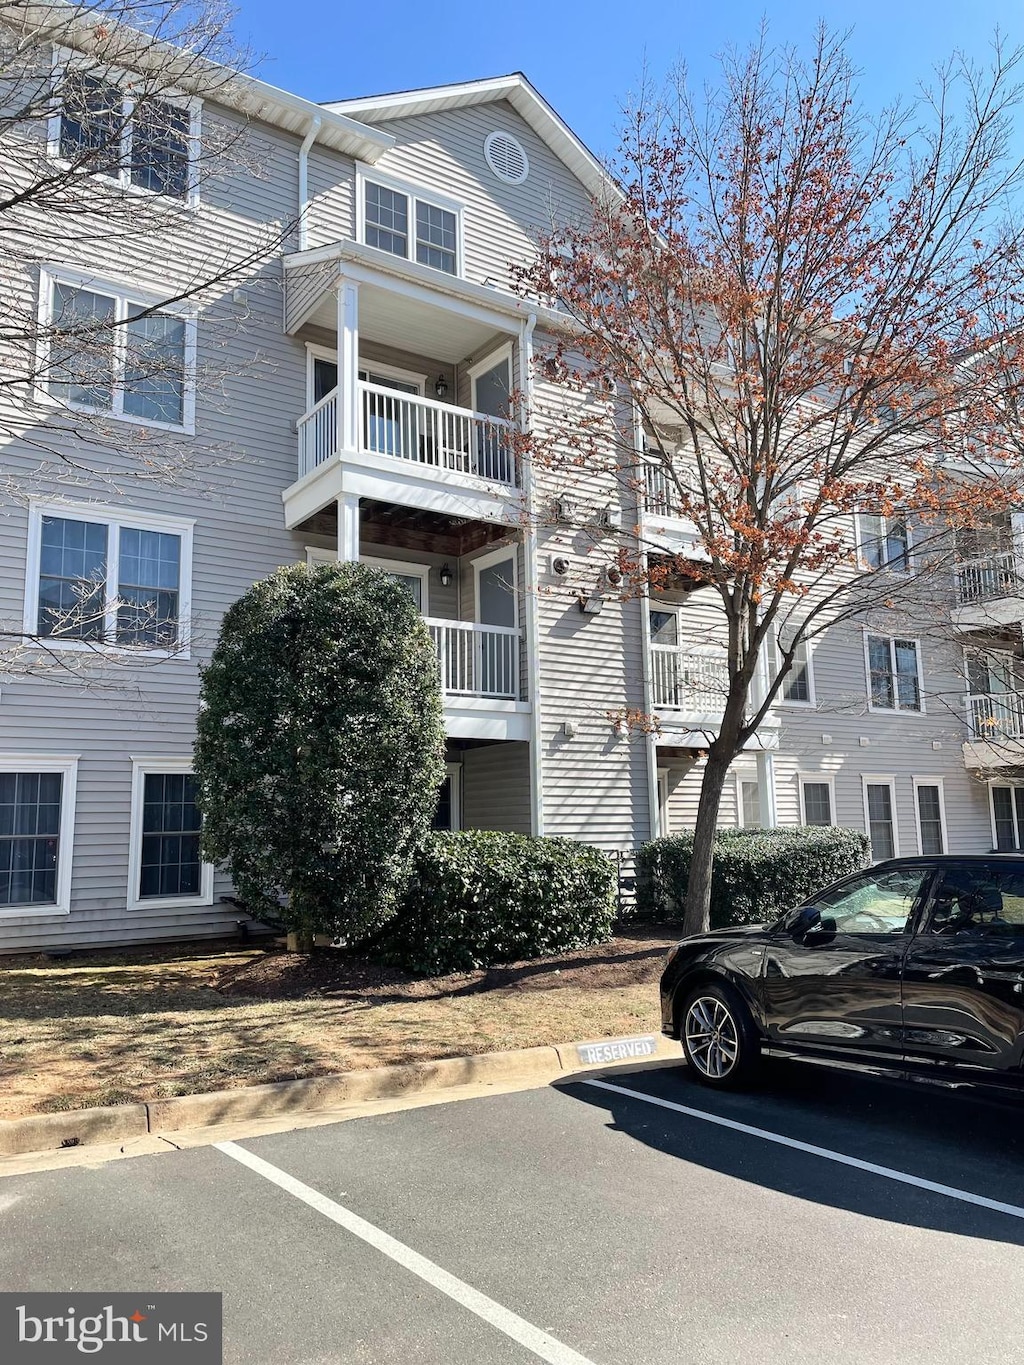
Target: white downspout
[530,557]
[307,142]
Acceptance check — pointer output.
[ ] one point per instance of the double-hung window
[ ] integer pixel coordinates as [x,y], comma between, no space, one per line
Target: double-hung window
[884,542]
[894,674]
[165,860]
[109,351]
[798,685]
[100,579]
[1008,818]
[404,222]
[118,128]
[816,801]
[880,817]
[37,804]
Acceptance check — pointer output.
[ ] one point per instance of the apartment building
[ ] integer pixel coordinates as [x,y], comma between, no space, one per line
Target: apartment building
[370,402]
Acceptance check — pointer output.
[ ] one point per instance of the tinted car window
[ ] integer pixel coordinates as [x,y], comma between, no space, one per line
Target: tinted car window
[877,903]
[979,899]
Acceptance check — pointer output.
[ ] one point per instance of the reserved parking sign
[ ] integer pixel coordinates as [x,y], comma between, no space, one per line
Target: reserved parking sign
[616,1049]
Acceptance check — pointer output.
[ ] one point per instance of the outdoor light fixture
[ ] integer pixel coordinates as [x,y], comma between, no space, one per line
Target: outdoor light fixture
[441,386]
[445,575]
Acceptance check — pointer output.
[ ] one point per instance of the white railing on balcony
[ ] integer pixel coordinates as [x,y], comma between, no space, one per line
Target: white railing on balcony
[431,433]
[475,660]
[408,427]
[659,492]
[318,433]
[684,680]
[996,715]
[997,575]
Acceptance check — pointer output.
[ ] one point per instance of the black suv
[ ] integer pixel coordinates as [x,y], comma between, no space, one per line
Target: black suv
[914,966]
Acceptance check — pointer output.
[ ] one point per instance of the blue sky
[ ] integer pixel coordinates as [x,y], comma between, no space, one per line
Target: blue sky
[585,56]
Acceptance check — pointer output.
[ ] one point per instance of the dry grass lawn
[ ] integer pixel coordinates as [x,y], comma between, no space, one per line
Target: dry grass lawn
[115,1028]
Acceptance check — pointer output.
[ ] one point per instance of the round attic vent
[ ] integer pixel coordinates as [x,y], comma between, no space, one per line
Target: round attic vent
[506,158]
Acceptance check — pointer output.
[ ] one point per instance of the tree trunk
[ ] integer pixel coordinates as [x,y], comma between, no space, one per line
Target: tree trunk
[697,915]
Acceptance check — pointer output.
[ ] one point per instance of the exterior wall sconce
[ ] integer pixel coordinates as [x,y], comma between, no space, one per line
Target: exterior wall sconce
[445,575]
[441,386]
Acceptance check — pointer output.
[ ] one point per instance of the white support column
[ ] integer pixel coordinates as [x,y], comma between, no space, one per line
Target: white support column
[348,527]
[766,789]
[348,365]
[530,559]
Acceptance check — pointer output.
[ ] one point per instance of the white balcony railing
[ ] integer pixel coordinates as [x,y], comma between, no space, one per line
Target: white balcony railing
[475,660]
[996,715]
[659,491]
[683,680]
[978,580]
[411,428]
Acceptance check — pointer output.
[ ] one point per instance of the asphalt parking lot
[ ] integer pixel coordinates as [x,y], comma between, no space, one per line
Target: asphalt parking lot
[574,1223]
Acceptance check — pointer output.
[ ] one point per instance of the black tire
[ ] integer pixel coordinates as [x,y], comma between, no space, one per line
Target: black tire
[718,1035]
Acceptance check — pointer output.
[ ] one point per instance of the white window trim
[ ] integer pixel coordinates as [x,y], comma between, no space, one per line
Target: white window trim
[454,771]
[193,104]
[140,767]
[781,699]
[666,609]
[317,554]
[412,192]
[664,828]
[393,372]
[67,766]
[407,570]
[881,780]
[123,292]
[127,518]
[488,362]
[749,776]
[860,538]
[930,782]
[316,352]
[821,779]
[496,557]
[1017,828]
[896,710]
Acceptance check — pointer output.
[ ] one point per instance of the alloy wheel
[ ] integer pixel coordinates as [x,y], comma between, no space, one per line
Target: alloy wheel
[712,1037]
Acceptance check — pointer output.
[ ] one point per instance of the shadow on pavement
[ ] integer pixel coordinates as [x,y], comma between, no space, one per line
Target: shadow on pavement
[970,1142]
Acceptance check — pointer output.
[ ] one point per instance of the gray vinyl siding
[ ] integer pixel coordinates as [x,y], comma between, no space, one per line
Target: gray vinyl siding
[496,787]
[444,151]
[251,389]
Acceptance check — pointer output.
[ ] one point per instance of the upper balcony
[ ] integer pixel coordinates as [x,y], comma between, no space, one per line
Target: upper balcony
[995,724]
[414,394]
[989,591]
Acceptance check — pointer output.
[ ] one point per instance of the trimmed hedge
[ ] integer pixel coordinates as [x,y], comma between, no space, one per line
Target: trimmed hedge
[758,873]
[478,897]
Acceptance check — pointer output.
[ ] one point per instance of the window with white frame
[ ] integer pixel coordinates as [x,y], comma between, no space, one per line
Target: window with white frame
[816,802]
[894,674]
[414,578]
[165,862]
[931,817]
[750,803]
[884,542]
[37,803]
[1007,818]
[114,127]
[880,817]
[101,579]
[448,814]
[405,222]
[109,350]
[798,684]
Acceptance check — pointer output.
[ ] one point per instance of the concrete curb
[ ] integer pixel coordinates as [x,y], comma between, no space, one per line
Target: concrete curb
[85,1127]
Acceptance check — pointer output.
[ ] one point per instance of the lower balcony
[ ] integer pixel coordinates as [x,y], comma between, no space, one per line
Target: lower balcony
[989,592]
[689,685]
[995,723]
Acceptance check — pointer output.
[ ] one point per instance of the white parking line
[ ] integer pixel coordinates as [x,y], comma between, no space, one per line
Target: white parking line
[904,1178]
[533,1338]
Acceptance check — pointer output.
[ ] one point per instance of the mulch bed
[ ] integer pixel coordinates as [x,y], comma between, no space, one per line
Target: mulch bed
[634,957]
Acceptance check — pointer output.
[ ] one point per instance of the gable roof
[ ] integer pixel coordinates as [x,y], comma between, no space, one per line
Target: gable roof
[532,107]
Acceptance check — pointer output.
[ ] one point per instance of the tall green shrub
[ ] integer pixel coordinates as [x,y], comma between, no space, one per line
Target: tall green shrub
[320,746]
[757,873]
[480,897]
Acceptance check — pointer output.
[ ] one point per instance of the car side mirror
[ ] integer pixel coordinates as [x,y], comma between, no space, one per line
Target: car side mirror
[808,917]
